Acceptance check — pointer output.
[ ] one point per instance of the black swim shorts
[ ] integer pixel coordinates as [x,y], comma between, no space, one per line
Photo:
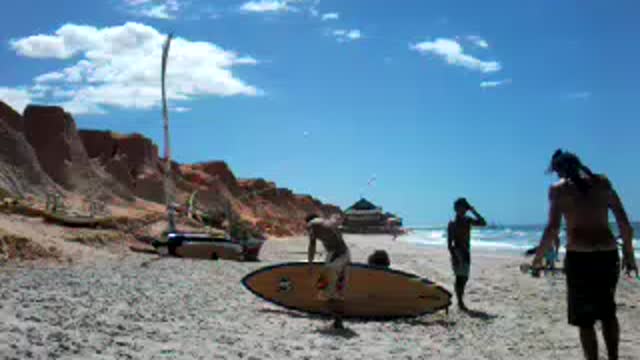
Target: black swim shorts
[592,278]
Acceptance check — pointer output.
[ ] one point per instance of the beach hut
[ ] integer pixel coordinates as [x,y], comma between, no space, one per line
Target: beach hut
[365,217]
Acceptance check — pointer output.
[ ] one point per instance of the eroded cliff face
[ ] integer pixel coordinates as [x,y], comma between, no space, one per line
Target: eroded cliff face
[275,211]
[11,117]
[53,135]
[279,211]
[20,170]
[43,151]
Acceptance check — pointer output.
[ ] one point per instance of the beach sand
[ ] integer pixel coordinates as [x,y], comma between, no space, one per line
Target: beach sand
[126,307]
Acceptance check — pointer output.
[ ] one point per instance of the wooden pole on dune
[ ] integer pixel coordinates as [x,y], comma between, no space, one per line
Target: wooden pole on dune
[168,191]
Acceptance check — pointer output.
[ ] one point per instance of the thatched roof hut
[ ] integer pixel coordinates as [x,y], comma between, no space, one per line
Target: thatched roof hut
[365,217]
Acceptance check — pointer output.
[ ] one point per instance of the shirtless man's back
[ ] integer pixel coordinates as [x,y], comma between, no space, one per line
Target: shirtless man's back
[587,217]
[592,261]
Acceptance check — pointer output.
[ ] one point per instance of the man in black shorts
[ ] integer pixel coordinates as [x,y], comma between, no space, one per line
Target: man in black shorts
[592,263]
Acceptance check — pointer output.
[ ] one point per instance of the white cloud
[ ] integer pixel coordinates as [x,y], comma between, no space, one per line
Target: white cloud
[354,34]
[453,54]
[39,91]
[313,9]
[157,12]
[181,109]
[281,6]
[581,95]
[478,41]
[77,106]
[495,83]
[17,98]
[136,2]
[347,35]
[330,16]
[120,67]
[157,9]
[41,46]
[262,6]
[49,77]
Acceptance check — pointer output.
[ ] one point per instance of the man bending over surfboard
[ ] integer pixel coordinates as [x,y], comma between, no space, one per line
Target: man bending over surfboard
[458,241]
[331,285]
[591,262]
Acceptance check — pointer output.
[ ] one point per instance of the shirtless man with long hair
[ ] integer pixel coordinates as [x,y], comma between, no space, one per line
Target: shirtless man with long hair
[592,261]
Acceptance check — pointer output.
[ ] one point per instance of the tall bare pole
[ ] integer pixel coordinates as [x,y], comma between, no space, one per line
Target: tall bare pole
[168,189]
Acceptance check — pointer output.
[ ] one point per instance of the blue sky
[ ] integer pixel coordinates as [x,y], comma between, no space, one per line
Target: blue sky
[411,103]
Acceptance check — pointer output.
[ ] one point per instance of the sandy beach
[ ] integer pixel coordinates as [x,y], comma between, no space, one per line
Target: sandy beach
[122,306]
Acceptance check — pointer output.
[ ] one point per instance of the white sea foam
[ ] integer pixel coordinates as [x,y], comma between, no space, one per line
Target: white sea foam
[507,239]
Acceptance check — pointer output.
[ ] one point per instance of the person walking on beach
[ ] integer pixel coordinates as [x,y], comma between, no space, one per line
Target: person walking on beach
[458,242]
[551,256]
[333,280]
[592,261]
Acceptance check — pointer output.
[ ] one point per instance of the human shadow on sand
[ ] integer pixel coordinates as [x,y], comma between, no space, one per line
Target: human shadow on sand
[343,333]
[291,313]
[430,322]
[146,263]
[330,331]
[479,314]
[426,322]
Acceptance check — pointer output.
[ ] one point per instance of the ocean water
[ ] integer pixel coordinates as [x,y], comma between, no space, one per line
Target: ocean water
[514,238]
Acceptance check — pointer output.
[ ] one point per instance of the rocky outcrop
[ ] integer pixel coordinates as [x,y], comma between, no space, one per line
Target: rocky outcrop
[53,135]
[11,117]
[20,170]
[138,152]
[220,170]
[279,211]
[99,144]
[132,160]
[50,131]
[141,152]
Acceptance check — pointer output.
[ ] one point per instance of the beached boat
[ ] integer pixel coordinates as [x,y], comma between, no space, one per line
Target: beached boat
[205,246]
[75,220]
[193,245]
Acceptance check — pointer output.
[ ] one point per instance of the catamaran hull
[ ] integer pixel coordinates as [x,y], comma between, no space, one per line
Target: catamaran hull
[201,246]
[201,250]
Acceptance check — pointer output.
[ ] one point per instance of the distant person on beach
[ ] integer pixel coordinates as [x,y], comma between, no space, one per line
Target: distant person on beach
[458,242]
[592,267]
[333,280]
[393,228]
[551,256]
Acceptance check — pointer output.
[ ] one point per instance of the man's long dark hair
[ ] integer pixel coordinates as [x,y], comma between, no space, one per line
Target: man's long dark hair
[570,165]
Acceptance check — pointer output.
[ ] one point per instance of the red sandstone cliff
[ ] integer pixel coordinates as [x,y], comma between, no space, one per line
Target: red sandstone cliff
[11,117]
[43,150]
[20,171]
[133,160]
[52,134]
